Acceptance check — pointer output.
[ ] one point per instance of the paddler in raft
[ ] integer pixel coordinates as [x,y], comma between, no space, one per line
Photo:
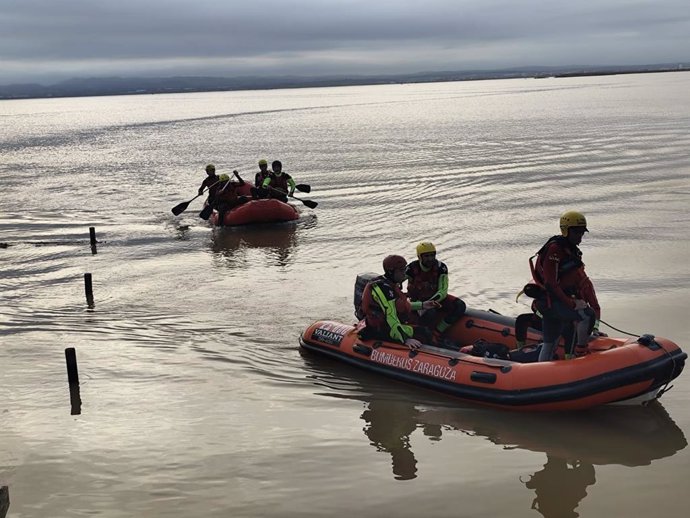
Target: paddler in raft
[280,185]
[226,196]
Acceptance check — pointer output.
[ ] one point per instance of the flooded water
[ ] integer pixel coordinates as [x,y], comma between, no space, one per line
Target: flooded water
[195,398]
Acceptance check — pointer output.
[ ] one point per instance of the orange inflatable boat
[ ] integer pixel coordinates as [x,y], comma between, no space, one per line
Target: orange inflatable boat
[258,211]
[613,370]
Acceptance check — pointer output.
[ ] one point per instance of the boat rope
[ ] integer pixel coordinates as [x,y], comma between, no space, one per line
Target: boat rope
[616,329]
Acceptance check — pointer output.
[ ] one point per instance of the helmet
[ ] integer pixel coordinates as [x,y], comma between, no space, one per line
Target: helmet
[572,218]
[210,167]
[276,163]
[263,161]
[394,262]
[223,178]
[425,247]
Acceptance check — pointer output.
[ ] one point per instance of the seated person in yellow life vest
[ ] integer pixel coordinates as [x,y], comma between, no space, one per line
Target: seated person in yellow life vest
[280,185]
[427,280]
[387,310]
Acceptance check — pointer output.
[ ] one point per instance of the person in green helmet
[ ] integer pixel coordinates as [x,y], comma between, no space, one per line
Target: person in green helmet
[210,182]
[262,174]
[227,197]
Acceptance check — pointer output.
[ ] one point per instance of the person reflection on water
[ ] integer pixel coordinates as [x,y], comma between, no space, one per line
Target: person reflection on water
[389,425]
[560,486]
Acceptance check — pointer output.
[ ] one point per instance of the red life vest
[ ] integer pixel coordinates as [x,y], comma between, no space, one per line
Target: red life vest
[227,192]
[279,182]
[373,313]
[423,285]
[571,279]
[260,177]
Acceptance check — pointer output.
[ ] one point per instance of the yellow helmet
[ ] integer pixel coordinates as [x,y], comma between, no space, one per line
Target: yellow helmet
[223,178]
[210,167]
[572,218]
[263,161]
[425,247]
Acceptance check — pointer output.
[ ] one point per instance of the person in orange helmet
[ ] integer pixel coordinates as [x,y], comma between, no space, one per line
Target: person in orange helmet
[387,310]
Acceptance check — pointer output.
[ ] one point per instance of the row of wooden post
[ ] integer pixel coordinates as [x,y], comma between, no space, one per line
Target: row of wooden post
[72,370]
[70,352]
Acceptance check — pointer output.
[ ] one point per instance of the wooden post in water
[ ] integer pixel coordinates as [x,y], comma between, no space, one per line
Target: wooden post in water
[4,501]
[88,288]
[92,238]
[73,380]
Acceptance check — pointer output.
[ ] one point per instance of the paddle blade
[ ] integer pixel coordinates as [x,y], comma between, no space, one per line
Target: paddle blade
[303,187]
[206,212]
[309,203]
[180,208]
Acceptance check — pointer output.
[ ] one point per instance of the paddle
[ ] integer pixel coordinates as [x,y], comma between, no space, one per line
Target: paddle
[303,187]
[309,203]
[181,207]
[206,212]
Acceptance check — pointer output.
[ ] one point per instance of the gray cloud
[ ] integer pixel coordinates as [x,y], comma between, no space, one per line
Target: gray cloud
[43,38]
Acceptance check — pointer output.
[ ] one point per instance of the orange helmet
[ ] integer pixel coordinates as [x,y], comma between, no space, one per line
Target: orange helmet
[394,262]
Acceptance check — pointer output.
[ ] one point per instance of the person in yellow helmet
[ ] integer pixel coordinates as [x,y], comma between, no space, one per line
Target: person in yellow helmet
[227,197]
[280,185]
[262,174]
[387,310]
[564,294]
[210,182]
[427,280]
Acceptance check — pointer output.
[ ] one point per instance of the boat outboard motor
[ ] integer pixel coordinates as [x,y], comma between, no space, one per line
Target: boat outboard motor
[362,280]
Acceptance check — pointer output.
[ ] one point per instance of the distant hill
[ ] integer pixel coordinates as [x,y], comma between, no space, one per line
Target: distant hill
[135,85]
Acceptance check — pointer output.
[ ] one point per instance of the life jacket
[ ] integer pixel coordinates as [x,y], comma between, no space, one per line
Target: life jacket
[375,315]
[570,268]
[280,182]
[259,178]
[227,192]
[422,285]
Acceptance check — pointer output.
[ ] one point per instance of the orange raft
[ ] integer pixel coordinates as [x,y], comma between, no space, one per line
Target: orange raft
[258,211]
[614,370]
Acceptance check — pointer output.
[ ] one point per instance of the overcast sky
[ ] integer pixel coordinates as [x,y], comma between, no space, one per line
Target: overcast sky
[47,40]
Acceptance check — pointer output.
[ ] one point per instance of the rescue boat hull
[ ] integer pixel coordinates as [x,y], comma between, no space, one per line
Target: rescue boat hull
[614,370]
[258,212]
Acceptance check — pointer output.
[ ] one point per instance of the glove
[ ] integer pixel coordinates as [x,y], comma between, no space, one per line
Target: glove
[580,304]
[413,343]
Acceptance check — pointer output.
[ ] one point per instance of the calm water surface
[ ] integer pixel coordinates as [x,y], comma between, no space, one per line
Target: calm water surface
[196,400]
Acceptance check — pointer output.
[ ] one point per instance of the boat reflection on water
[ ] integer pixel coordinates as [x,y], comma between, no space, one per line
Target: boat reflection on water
[574,442]
[278,240]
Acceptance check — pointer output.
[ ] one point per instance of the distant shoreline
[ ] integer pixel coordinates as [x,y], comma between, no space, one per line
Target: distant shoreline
[108,86]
